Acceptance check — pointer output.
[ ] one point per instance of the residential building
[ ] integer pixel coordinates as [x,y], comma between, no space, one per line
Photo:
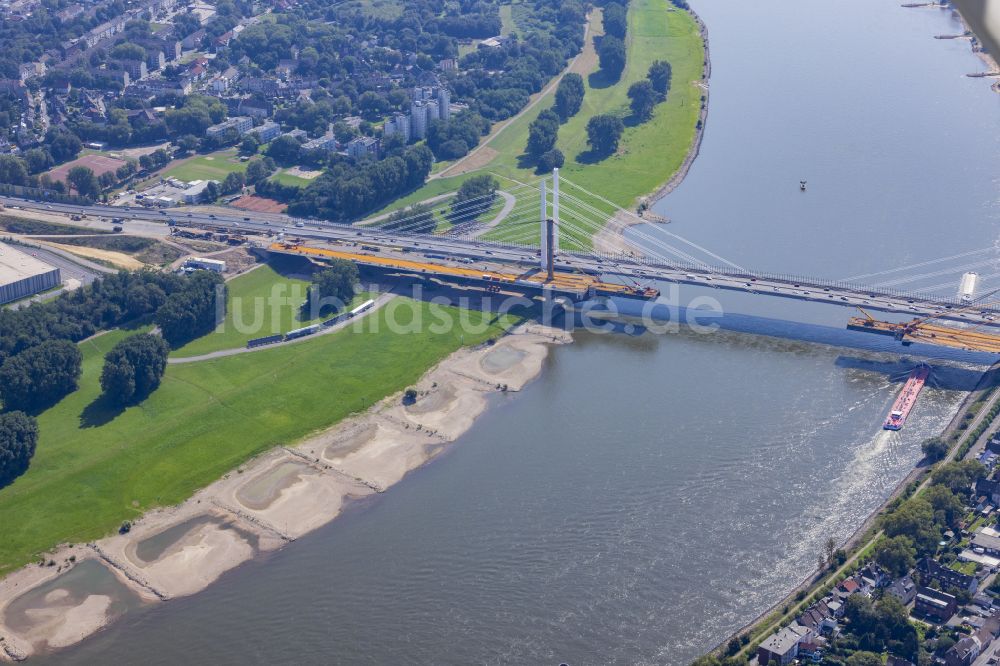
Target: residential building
[990,488]
[267,131]
[946,577]
[242,124]
[398,124]
[934,604]
[327,143]
[903,589]
[783,645]
[194,39]
[362,146]
[256,108]
[988,539]
[104,31]
[31,70]
[964,652]
[136,69]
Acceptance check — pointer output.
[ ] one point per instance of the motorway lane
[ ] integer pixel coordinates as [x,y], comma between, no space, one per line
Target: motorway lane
[630,268]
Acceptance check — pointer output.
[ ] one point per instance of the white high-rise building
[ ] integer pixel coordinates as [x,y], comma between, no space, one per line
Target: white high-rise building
[398,124]
[444,103]
[418,119]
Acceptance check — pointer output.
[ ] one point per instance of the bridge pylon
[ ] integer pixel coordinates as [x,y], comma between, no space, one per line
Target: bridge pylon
[549,225]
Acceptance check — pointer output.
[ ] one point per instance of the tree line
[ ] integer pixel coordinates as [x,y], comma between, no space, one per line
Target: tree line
[40,363]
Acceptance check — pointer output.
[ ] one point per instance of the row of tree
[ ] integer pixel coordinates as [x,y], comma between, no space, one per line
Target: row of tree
[346,191]
[133,368]
[644,95]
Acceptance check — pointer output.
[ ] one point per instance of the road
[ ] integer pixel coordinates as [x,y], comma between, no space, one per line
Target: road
[380,300]
[510,121]
[628,268]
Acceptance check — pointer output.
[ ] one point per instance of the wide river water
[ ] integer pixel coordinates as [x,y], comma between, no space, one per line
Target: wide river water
[648,495]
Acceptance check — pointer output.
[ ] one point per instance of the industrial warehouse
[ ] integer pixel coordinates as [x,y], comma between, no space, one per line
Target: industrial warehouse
[22,275]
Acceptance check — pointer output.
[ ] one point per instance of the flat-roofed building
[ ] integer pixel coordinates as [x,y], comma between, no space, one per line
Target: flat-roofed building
[22,275]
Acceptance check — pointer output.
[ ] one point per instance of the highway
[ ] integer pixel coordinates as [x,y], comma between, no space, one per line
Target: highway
[629,270]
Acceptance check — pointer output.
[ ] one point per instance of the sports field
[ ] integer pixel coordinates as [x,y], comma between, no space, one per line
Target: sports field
[215,166]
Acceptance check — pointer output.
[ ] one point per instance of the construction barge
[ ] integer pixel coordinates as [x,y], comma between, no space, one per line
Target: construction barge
[577,285]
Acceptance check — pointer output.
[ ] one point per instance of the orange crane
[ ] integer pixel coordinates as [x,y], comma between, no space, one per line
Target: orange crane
[924,330]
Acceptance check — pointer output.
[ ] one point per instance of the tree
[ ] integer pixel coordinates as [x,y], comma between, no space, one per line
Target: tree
[133,368]
[959,476]
[258,170]
[864,658]
[18,437]
[284,150]
[550,160]
[603,133]
[233,183]
[13,170]
[191,311]
[83,180]
[615,20]
[418,219]
[63,144]
[211,192]
[569,96]
[934,448]
[39,376]
[333,287]
[643,99]
[659,76]
[948,508]
[896,555]
[250,144]
[474,197]
[914,518]
[612,55]
[543,132]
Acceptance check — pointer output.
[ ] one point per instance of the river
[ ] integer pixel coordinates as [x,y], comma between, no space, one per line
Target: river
[648,495]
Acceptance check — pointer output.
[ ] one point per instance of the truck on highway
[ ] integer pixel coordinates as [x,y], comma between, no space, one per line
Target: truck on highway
[967,287]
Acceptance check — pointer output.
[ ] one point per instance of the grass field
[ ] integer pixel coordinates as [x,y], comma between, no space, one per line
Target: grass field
[649,153]
[215,166]
[21,225]
[96,466]
[259,303]
[506,20]
[146,250]
[289,179]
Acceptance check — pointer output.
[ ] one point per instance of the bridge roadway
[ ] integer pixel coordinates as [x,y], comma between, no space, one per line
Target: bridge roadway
[628,269]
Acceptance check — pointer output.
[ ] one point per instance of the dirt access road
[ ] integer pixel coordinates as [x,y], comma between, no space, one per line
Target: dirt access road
[583,63]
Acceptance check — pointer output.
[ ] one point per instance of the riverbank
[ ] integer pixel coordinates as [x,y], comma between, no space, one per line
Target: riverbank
[982,19]
[653,156]
[699,132]
[262,504]
[864,536]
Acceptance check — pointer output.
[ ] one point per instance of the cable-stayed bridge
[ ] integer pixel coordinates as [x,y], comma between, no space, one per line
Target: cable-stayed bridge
[556,235]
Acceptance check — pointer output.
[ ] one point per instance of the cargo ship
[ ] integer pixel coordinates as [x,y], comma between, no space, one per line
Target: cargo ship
[907,398]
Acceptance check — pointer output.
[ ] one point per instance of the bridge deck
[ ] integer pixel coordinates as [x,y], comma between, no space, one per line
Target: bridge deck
[574,283]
